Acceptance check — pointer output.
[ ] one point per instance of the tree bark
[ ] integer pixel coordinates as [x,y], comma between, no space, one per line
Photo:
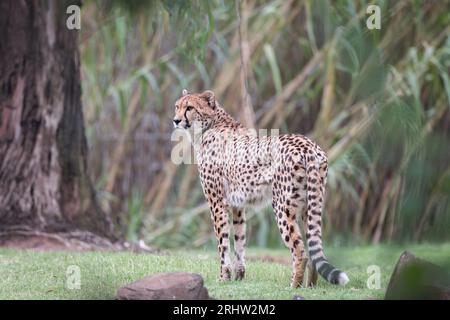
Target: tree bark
[44,181]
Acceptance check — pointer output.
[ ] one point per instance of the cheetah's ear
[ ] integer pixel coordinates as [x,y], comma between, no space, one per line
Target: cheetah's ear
[208,95]
[185,92]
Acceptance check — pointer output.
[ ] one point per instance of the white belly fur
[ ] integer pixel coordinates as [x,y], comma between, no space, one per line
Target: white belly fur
[259,196]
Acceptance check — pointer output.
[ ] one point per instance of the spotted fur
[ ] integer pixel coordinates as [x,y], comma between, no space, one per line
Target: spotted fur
[240,169]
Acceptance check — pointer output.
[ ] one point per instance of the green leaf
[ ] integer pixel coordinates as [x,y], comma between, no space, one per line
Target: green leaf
[276,77]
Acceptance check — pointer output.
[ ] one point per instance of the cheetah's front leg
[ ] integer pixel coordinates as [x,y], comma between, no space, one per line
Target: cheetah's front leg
[219,215]
[239,242]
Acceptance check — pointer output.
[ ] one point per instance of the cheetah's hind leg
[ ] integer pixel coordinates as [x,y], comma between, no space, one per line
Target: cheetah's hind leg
[285,208]
[239,242]
[311,281]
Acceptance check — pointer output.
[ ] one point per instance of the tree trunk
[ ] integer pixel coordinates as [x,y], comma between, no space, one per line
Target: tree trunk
[44,182]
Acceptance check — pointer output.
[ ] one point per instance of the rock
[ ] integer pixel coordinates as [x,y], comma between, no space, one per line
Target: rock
[415,278]
[297,297]
[165,286]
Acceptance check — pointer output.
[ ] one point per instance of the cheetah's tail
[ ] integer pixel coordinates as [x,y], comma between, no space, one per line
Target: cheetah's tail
[324,268]
[314,228]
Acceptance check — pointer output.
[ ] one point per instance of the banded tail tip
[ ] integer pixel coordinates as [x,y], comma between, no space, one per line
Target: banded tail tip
[342,279]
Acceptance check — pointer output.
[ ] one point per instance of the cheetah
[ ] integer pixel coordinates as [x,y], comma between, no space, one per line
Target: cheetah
[239,169]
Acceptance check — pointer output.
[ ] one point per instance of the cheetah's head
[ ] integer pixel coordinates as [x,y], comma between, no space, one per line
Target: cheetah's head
[195,109]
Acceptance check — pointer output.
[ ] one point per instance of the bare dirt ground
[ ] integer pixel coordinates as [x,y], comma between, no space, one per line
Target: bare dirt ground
[271,259]
[79,241]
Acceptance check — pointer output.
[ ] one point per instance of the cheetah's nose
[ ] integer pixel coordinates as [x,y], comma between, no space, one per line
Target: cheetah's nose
[176,122]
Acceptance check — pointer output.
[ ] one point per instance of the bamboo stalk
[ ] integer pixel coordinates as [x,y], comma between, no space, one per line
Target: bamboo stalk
[328,99]
[185,186]
[290,88]
[377,214]
[120,151]
[247,112]
[390,185]
[362,203]
[162,192]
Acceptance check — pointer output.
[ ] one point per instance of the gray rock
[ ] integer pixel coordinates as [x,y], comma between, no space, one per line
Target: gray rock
[165,286]
[415,278]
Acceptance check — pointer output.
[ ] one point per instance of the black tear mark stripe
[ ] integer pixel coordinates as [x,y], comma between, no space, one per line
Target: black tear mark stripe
[185,116]
[186,119]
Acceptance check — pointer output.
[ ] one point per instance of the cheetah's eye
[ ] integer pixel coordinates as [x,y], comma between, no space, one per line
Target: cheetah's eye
[189,108]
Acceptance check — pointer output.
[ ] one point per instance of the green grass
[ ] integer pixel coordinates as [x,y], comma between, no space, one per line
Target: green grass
[31,275]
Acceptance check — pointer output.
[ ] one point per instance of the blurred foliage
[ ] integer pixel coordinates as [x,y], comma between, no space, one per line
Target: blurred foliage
[376,100]
[190,23]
